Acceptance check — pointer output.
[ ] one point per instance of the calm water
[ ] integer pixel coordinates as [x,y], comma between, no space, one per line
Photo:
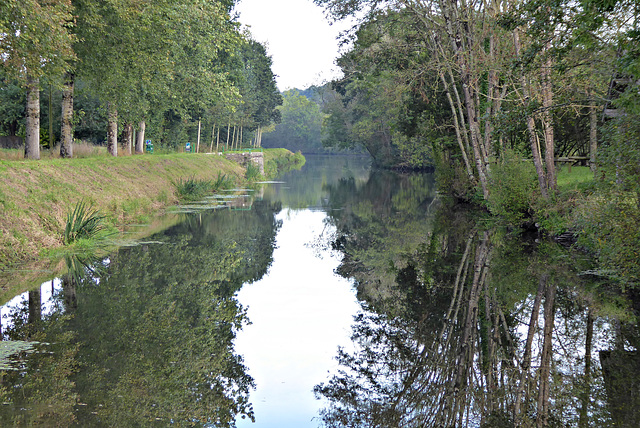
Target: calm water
[338,296]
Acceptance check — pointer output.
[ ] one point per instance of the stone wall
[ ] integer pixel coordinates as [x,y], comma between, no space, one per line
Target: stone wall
[243,158]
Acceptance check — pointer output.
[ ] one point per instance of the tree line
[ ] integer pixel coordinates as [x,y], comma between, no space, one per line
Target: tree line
[167,63]
[460,83]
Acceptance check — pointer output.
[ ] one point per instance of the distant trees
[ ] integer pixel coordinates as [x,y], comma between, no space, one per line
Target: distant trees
[301,126]
[167,62]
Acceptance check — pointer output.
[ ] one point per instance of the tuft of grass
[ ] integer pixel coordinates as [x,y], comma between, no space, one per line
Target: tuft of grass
[84,222]
[191,189]
[222,182]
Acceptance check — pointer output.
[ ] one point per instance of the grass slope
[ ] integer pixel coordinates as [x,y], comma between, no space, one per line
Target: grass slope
[35,196]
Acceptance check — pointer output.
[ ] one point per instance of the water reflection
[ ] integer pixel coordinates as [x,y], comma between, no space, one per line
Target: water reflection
[469,326]
[149,339]
[459,323]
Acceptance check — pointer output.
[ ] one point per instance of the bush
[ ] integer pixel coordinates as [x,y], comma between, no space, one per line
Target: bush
[451,176]
[512,188]
[610,228]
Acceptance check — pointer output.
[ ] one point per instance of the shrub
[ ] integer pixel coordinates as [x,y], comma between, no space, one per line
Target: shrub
[610,227]
[451,177]
[512,188]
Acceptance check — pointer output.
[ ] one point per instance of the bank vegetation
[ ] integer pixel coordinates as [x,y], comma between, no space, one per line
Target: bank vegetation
[497,97]
[130,192]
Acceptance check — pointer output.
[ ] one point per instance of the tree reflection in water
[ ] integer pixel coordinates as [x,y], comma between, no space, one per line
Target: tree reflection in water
[148,337]
[471,327]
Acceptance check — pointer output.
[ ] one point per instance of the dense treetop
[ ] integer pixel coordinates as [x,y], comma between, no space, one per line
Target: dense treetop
[168,63]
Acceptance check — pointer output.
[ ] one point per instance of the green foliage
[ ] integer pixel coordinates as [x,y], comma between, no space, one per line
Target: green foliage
[253,172]
[36,38]
[512,188]
[610,228]
[84,222]
[380,105]
[12,105]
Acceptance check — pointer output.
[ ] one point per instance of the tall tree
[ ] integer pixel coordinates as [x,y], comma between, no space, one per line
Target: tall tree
[36,42]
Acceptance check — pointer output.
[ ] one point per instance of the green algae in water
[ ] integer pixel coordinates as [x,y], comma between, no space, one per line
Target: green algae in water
[10,348]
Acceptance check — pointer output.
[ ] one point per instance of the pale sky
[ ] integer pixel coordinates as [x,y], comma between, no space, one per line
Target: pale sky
[299,39]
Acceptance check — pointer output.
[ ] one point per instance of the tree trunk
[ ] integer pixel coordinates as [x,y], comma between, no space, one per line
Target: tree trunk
[50,114]
[526,357]
[537,156]
[112,131]
[66,129]
[69,293]
[35,306]
[584,408]
[198,140]
[457,37]
[213,136]
[32,131]
[228,129]
[593,135]
[547,121]
[127,137]
[459,131]
[547,354]
[140,140]
[233,139]
[531,125]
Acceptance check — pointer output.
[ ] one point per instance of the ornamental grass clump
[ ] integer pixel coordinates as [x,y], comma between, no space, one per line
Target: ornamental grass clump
[84,222]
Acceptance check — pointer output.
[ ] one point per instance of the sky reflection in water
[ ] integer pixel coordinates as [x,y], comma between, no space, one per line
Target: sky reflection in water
[301,311]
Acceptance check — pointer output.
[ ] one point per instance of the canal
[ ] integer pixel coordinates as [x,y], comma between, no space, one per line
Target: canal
[338,296]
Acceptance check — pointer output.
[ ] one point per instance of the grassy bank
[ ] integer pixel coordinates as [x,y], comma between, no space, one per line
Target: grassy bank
[35,196]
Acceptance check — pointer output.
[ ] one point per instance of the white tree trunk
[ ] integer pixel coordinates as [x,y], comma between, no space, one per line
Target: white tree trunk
[32,131]
[140,140]
[127,138]
[112,132]
[66,129]
[198,141]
